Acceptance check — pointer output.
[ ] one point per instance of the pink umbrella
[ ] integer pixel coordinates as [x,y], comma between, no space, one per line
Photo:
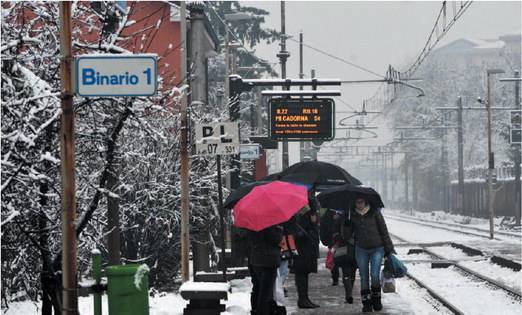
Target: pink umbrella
[269,204]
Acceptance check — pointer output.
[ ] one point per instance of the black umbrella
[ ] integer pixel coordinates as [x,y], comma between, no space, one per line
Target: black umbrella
[318,174]
[240,192]
[343,197]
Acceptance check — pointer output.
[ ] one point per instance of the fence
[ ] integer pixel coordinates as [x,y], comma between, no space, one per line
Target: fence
[476,198]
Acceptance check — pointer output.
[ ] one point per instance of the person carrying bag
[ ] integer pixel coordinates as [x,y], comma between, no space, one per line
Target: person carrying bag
[344,254]
[372,244]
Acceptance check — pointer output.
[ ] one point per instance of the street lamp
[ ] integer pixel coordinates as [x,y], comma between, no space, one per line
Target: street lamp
[491,157]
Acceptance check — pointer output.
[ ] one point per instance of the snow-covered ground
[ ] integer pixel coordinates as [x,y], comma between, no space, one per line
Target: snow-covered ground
[467,294]
[162,304]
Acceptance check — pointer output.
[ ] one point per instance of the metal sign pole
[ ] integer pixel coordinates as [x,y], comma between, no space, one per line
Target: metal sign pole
[221,218]
[69,242]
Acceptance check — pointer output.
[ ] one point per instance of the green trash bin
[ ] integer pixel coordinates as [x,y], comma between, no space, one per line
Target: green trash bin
[128,289]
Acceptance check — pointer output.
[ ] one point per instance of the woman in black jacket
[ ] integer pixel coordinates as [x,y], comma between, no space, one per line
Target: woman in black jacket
[264,258]
[306,233]
[372,244]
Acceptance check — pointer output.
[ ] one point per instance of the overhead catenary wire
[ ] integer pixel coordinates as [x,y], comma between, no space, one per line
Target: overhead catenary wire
[339,58]
[429,45]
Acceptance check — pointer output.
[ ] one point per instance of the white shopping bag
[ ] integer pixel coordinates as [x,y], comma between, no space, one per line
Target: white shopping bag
[387,283]
[279,294]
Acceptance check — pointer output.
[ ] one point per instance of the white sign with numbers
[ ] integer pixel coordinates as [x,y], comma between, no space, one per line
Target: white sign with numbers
[249,151]
[217,138]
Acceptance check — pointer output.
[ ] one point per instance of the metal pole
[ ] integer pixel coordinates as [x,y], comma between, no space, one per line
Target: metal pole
[309,144]
[406,183]
[460,157]
[385,177]
[491,162]
[444,166]
[184,161]
[221,219]
[227,66]
[301,75]
[283,55]
[96,274]
[67,150]
[517,158]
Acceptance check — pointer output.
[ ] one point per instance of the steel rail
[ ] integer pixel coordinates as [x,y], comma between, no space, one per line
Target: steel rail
[489,281]
[505,233]
[393,217]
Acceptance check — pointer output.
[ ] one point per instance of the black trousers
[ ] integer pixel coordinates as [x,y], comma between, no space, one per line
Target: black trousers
[335,272]
[263,282]
[349,268]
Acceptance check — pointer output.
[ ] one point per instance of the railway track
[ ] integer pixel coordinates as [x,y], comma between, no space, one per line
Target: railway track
[453,227]
[440,262]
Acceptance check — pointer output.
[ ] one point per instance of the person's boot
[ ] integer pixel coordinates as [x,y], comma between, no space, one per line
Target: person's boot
[366,301]
[306,292]
[300,284]
[376,298]
[348,287]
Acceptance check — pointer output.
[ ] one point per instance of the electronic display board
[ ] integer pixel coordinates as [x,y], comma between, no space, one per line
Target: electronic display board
[301,119]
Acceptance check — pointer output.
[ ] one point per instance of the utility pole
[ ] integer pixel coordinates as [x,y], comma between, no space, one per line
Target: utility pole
[516,149]
[283,55]
[491,156]
[406,181]
[385,177]
[184,160]
[309,145]
[460,153]
[517,159]
[67,150]
[444,162]
[302,144]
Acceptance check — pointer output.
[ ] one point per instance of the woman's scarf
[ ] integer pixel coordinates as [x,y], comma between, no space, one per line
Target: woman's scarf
[364,210]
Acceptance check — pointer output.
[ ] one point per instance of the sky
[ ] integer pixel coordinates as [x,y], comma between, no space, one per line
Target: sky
[373,35]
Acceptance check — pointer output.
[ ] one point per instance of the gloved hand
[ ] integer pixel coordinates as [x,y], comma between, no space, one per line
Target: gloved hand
[388,251]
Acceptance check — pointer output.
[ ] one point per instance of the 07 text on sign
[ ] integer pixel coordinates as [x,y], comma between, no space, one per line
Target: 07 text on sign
[217,138]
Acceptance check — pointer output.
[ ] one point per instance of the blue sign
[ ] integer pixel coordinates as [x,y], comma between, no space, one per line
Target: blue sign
[116,75]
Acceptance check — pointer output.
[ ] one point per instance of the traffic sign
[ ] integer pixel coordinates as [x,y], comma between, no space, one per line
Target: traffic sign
[116,75]
[217,138]
[249,151]
[302,119]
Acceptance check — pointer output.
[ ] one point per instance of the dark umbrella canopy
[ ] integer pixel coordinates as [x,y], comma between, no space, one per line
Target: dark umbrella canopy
[343,197]
[240,192]
[318,173]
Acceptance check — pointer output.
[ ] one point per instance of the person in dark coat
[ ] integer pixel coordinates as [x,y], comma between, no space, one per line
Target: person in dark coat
[306,233]
[326,232]
[264,259]
[372,244]
[344,255]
